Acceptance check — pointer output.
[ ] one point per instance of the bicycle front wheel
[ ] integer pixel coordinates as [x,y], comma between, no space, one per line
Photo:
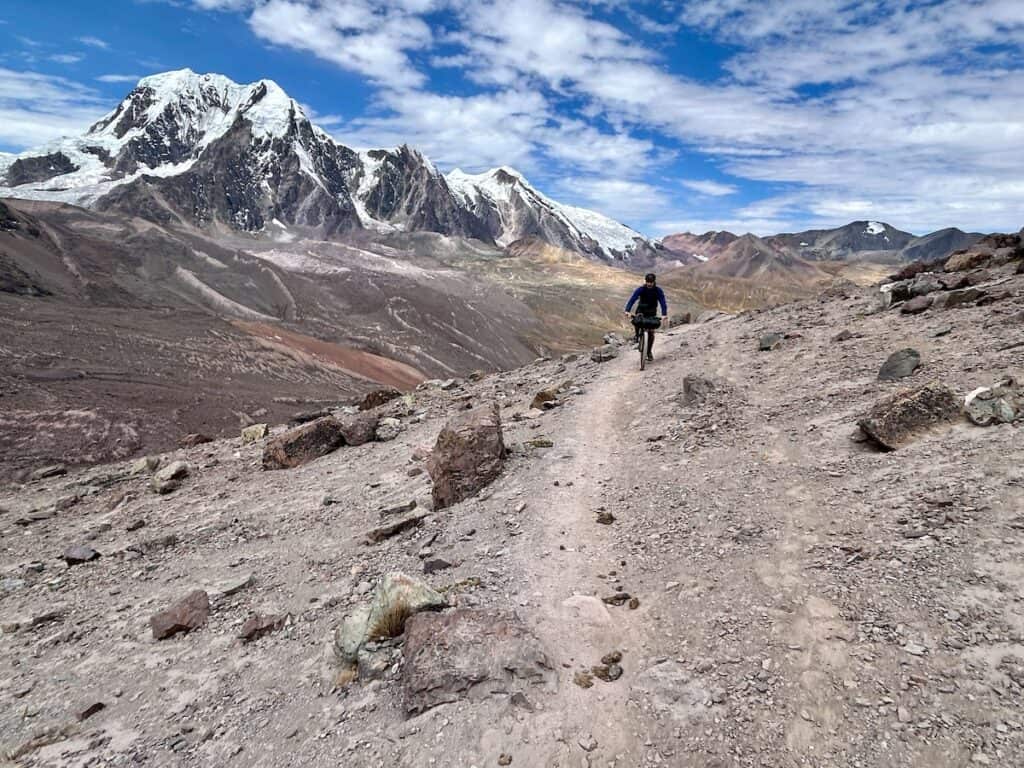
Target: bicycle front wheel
[643,349]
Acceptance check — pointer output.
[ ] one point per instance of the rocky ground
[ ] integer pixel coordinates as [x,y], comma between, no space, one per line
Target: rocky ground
[778,593]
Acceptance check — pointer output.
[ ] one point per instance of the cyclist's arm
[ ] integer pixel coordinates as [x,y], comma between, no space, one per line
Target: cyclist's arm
[664,304]
[632,300]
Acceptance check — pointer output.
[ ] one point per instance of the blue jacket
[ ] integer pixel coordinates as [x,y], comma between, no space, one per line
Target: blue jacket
[636,295]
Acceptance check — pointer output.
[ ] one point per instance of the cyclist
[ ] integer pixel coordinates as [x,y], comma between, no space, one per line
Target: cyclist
[649,296]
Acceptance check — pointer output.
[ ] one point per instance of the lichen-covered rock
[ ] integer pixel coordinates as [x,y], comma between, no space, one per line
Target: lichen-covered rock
[467,456]
[388,429]
[254,432]
[395,594]
[303,444]
[1001,403]
[468,653]
[899,419]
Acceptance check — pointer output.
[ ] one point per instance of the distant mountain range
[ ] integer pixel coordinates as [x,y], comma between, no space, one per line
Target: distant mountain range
[800,255]
[202,150]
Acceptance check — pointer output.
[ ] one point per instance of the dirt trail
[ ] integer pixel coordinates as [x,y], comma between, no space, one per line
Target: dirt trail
[570,565]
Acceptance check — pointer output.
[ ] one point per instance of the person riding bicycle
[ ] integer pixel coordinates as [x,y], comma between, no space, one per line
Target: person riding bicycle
[649,296]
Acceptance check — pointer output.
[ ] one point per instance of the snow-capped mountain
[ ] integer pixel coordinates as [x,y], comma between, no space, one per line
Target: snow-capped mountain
[199,149]
[512,209]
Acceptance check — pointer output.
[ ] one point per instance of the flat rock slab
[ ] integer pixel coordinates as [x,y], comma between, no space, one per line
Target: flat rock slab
[303,444]
[899,365]
[380,533]
[670,689]
[184,616]
[468,653]
[467,456]
[896,421]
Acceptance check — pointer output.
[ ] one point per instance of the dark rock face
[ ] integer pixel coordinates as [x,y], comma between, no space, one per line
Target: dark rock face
[184,616]
[303,444]
[468,455]
[33,170]
[900,364]
[468,653]
[896,421]
[410,191]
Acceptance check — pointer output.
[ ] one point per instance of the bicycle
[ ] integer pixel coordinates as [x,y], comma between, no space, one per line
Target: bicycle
[642,324]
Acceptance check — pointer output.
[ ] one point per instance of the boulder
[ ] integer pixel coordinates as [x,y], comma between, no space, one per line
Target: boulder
[954,281]
[916,305]
[304,444]
[899,365]
[963,261]
[467,456]
[358,429]
[897,420]
[188,614]
[193,439]
[924,284]
[378,397]
[304,417]
[614,339]
[254,432]
[388,429]
[682,319]
[145,464]
[770,341]
[954,299]
[470,654]
[1001,403]
[169,478]
[603,354]
[396,598]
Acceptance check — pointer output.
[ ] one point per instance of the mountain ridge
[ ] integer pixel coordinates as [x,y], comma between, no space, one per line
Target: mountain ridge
[202,150]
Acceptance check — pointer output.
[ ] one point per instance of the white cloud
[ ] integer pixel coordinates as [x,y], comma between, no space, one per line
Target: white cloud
[95,42]
[627,201]
[66,58]
[119,78]
[35,108]
[708,187]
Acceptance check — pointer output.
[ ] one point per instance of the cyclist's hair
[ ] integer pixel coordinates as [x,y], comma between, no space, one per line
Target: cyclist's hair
[649,277]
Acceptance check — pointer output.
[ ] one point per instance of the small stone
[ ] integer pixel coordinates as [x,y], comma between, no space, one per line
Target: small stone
[435,564]
[769,342]
[134,525]
[145,464]
[587,742]
[388,429]
[54,470]
[191,441]
[903,715]
[900,364]
[583,679]
[634,603]
[89,711]
[80,554]
[505,759]
[605,518]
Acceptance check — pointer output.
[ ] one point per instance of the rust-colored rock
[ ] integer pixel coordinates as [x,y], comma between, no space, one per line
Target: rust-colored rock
[303,444]
[897,420]
[256,627]
[184,616]
[468,455]
[961,262]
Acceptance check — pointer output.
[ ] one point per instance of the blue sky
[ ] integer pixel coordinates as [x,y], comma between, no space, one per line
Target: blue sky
[750,115]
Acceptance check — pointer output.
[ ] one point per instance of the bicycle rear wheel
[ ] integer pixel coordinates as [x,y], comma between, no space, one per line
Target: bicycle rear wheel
[643,348]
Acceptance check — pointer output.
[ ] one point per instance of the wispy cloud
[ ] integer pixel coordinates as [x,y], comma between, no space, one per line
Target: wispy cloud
[708,187]
[35,108]
[119,78]
[95,42]
[66,58]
